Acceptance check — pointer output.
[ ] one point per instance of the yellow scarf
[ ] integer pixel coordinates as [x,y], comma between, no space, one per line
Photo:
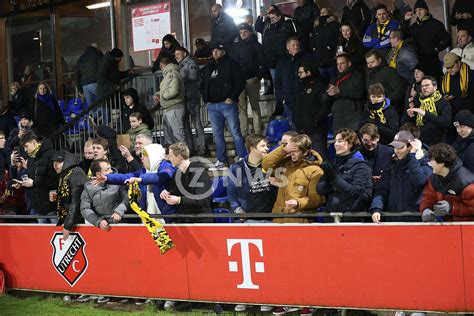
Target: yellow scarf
[35,151]
[381,27]
[393,55]
[428,105]
[157,231]
[378,114]
[63,193]
[463,81]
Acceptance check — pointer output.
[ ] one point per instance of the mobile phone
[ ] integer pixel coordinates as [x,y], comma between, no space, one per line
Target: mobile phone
[17,149]
[16,181]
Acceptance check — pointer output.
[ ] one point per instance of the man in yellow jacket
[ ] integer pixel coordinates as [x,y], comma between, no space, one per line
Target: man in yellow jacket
[297,170]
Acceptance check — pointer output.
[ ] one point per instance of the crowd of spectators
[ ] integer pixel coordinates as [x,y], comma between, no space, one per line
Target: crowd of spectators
[402,122]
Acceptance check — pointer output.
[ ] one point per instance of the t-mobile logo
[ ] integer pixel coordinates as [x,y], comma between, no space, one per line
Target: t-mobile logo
[246,266]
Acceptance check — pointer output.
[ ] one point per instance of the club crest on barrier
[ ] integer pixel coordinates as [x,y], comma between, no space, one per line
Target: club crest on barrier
[69,257]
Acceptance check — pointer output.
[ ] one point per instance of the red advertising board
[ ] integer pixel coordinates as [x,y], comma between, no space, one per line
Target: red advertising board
[403,267]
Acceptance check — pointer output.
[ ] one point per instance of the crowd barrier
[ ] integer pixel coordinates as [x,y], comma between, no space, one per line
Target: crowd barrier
[425,267]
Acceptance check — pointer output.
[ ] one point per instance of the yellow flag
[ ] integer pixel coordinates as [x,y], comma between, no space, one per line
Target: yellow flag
[157,231]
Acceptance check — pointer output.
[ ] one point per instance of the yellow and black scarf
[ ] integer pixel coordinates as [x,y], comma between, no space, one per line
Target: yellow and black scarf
[377,113]
[157,231]
[463,81]
[393,55]
[381,27]
[428,105]
[64,193]
[35,151]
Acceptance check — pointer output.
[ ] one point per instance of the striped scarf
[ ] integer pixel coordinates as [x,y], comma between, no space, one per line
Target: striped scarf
[393,55]
[428,105]
[377,114]
[64,192]
[381,27]
[463,81]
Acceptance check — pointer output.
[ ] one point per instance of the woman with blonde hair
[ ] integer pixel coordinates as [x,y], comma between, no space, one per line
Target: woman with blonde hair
[47,115]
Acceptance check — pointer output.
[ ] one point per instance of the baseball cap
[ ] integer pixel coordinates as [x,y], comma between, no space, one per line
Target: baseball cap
[219,46]
[199,41]
[450,59]
[401,139]
[59,156]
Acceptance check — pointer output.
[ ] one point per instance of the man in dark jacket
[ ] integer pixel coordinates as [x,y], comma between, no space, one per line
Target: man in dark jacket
[457,88]
[377,35]
[430,112]
[464,144]
[190,189]
[377,155]
[312,112]
[430,37]
[275,38]
[248,52]
[358,14]
[324,43]
[224,30]
[221,84]
[71,183]
[304,16]
[379,72]
[131,104]
[462,14]
[450,191]
[86,73]
[41,176]
[402,56]
[108,73]
[346,95]
[402,182]
[24,126]
[286,80]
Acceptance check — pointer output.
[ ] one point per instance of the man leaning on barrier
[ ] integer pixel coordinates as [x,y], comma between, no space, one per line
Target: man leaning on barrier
[450,190]
[297,171]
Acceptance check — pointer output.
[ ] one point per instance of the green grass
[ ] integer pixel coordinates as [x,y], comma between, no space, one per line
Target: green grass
[50,305]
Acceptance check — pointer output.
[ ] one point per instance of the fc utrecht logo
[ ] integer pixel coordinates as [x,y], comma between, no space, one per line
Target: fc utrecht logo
[69,257]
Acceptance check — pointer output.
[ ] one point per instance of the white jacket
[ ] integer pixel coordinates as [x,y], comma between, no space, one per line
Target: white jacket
[466,53]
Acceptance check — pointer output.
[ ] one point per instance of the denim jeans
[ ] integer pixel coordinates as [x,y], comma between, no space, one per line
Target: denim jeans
[45,220]
[219,113]
[90,93]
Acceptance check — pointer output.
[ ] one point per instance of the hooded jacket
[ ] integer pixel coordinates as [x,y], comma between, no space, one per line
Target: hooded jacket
[298,182]
[229,80]
[154,180]
[71,197]
[99,202]
[137,107]
[249,54]
[40,170]
[324,41]
[457,188]
[87,66]
[401,187]
[166,52]
[391,126]
[191,73]
[351,190]
[465,150]
[172,94]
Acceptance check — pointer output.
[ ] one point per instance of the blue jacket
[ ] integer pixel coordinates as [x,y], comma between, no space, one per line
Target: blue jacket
[238,192]
[372,40]
[351,190]
[158,180]
[401,187]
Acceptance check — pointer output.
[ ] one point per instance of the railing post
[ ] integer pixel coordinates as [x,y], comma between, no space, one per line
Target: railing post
[337,216]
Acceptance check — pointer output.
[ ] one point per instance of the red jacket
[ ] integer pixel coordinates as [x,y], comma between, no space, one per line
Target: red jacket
[457,188]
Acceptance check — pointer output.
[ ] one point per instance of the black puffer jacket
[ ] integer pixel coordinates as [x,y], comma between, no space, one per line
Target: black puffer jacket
[224,30]
[229,82]
[465,150]
[274,40]
[137,107]
[75,184]
[249,54]
[324,41]
[40,170]
[351,190]
[87,66]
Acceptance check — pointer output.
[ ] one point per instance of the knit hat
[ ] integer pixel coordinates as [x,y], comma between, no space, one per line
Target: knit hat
[464,117]
[116,52]
[450,59]
[200,41]
[420,4]
[25,115]
[245,26]
[217,45]
[401,139]
[421,67]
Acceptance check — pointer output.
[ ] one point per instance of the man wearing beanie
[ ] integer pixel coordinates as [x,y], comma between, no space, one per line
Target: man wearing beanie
[430,37]
[248,52]
[464,144]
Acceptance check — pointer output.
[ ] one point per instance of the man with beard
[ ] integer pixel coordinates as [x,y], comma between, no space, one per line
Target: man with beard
[430,112]
[377,155]
[224,30]
[402,182]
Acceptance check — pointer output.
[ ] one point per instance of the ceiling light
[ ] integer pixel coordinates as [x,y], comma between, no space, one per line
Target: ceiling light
[98,5]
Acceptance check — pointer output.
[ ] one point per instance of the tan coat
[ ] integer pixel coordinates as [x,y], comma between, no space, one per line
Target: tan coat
[298,182]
